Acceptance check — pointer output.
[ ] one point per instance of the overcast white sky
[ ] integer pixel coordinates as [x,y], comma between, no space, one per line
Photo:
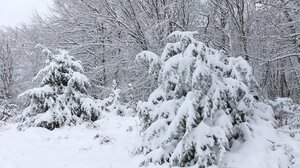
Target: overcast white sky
[14,12]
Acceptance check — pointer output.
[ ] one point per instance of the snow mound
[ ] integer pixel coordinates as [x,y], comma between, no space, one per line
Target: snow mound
[105,144]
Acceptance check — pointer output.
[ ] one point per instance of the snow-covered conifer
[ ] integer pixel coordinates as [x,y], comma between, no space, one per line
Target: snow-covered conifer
[203,103]
[113,103]
[62,97]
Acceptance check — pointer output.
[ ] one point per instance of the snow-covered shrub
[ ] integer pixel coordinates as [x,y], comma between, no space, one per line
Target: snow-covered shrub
[203,103]
[8,111]
[113,103]
[103,140]
[62,97]
[130,99]
[287,113]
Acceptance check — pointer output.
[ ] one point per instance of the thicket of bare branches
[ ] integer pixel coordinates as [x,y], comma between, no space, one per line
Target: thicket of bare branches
[107,34]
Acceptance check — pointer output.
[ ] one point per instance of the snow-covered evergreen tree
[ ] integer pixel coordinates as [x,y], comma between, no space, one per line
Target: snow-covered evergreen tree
[203,104]
[62,97]
[113,103]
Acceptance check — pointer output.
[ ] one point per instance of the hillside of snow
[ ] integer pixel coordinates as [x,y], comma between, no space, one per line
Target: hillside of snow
[110,141]
[107,145]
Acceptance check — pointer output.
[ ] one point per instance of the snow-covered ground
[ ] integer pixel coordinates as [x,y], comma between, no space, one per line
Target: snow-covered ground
[111,142]
[268,148]
[107,146]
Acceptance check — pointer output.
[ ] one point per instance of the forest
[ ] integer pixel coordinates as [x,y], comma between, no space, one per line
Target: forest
[152,83]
